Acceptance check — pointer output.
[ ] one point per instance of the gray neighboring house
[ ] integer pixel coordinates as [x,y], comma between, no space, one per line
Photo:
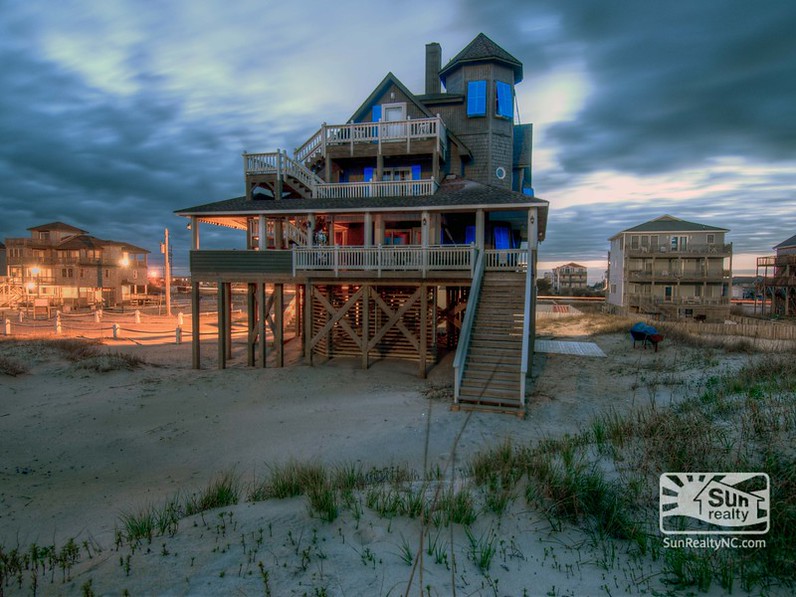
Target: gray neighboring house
[670,268]
[777,274]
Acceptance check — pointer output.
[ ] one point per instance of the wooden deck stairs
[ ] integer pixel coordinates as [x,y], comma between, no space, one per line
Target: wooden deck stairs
[10,295]
[491,378]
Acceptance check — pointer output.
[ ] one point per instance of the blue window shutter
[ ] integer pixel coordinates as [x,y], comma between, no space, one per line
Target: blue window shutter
[416,172]
[368,174]
[376,118]
[476,98]
[505,105]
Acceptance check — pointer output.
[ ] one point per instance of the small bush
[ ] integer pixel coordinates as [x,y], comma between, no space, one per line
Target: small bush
[12,367]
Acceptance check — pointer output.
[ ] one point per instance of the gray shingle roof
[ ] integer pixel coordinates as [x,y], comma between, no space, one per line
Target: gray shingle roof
[483,49]
[57,226]
[671,224]
[791,242]
[452,195]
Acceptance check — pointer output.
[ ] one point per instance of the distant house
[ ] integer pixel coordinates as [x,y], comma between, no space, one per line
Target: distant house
[3,261]
[569,277]
[669,268]
[777,274]
[69,267]
[414,215]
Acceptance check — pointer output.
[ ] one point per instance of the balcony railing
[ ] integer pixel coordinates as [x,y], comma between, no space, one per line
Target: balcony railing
[358,190]
[691,250]
[374,133]
[645,300]
[385,258]
[668,277]
[776,261]
[375,260]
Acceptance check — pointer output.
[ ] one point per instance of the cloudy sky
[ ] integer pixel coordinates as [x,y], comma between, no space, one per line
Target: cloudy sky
[113,114]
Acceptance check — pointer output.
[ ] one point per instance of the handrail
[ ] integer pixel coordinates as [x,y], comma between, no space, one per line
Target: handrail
[392,188]
[526,327]
[279,161]
[383,258]
[467,327]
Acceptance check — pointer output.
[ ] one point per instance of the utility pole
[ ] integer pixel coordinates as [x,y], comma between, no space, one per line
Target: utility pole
[164,248]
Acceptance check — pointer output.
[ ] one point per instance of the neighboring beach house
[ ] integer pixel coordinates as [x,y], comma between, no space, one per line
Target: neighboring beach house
[63,266]
[409,230]
[777,275]
[671,269]
[569,277]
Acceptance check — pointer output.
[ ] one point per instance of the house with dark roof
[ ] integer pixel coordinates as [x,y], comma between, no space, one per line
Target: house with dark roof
[569,277]
[68,268]
[669,268]
[777,280]
[406,232]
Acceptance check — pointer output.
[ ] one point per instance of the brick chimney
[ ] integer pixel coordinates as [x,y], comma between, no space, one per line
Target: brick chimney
[433,66]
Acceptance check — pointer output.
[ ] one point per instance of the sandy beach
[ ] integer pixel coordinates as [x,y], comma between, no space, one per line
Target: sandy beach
[82,447]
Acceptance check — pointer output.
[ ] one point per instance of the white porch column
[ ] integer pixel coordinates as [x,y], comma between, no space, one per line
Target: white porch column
[533,228]
[310,229]
[479,229]
[368,229]
[262,240]
[194,233]
[425,228]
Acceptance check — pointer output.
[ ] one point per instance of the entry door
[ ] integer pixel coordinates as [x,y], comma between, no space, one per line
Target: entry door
[393,113]
[667,294]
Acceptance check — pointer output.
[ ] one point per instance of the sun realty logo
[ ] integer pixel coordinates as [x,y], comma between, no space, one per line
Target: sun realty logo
[714,503]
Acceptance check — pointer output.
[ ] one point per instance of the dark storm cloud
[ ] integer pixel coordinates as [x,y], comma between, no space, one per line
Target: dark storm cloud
[114,165]
[673,83]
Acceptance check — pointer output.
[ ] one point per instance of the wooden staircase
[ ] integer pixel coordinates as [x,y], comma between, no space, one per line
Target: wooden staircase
[10,295]
[491,379]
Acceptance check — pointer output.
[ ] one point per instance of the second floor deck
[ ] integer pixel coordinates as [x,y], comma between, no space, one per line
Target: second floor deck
[396,262]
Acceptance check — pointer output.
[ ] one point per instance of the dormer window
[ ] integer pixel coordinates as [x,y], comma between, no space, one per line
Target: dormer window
[476,98]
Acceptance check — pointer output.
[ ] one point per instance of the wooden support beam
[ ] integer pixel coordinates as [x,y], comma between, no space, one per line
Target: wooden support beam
[228,318]
[251,323]
[394,318]
[337,316]
[261,303]
[279,316]
[308,323]
[196,298]
[222,336]
[297,316]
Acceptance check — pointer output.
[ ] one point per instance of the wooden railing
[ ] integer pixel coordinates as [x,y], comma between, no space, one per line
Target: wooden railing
[280,164]
[667,277]
[506,259]
[372,132]
[776,260]
[380,259]
[694,249]
[463,346]
[689,301]
[358,190]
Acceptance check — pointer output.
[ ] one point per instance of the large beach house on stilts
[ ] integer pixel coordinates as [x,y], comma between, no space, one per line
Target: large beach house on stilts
[408,230]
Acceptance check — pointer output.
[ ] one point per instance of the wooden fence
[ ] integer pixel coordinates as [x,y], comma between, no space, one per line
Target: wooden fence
[768,331]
